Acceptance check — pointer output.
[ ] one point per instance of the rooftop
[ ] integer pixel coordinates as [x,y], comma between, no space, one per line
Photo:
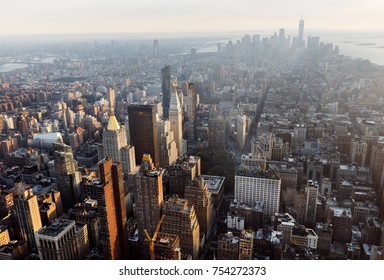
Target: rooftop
[262,175]
[56,228]
[214,183]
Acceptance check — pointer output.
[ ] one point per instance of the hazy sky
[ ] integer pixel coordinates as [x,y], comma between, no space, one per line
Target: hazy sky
[156,16]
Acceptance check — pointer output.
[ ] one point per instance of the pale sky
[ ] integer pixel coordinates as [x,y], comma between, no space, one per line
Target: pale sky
[19,17]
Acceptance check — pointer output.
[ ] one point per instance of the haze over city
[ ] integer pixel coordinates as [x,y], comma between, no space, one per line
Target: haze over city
[191,130]
[26,17]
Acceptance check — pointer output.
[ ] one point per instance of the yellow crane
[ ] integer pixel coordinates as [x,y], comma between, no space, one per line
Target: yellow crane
[152,240]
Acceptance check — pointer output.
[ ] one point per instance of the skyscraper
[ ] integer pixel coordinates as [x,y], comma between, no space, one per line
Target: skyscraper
[114,139]
[66,171]
[301,32]
[192,103]
[254,187]
[241,129]
[27,214]
[156,47]
[149,198]
[111,208]
[143,131]
[166,89]
[128,159]
[111,98]
[181,219]
[176,119]
[167,145]
[182,173]
[63,240]
[198,194]
[216,129]
[311,205]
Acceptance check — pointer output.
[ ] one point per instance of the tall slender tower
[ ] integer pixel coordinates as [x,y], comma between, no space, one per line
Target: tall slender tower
[167,146]
[143,131]
[111,98]
[301,32]
[28,215]
[149,198]
[311,205]
[114,139]
[166,89]
[111,209]
[192,103]
[176,119]
[67,174]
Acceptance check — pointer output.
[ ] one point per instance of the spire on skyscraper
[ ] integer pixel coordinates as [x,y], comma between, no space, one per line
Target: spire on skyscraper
[113,124]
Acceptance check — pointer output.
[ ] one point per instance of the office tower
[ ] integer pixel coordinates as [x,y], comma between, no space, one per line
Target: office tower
[311,204]
[114,139]
[67,174]
[341,219]
[288,178]
[281,38]
[182,172]
[241,130]
[376,165]
[301,33]
[192,103]
[27,214]
[300,133]
[300,206]
[372,232]
[63,240]
[324,233]
[167,247]
[254,187]
[111,209]
[167,146]
[156,50]
[176,119]
[198,194]
[128,159]
[149,198]
[111,98]
[216,130]
[86,214]
[181,219]
[76,138]
[166,89]
[358,151]
[264,144]
[143,131]
[315,171]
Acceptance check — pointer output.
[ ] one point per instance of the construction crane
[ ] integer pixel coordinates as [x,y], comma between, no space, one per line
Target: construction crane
[152,240]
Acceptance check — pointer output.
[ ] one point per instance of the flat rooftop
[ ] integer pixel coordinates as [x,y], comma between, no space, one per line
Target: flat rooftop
[261,175]
[214,183]
[56,227]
